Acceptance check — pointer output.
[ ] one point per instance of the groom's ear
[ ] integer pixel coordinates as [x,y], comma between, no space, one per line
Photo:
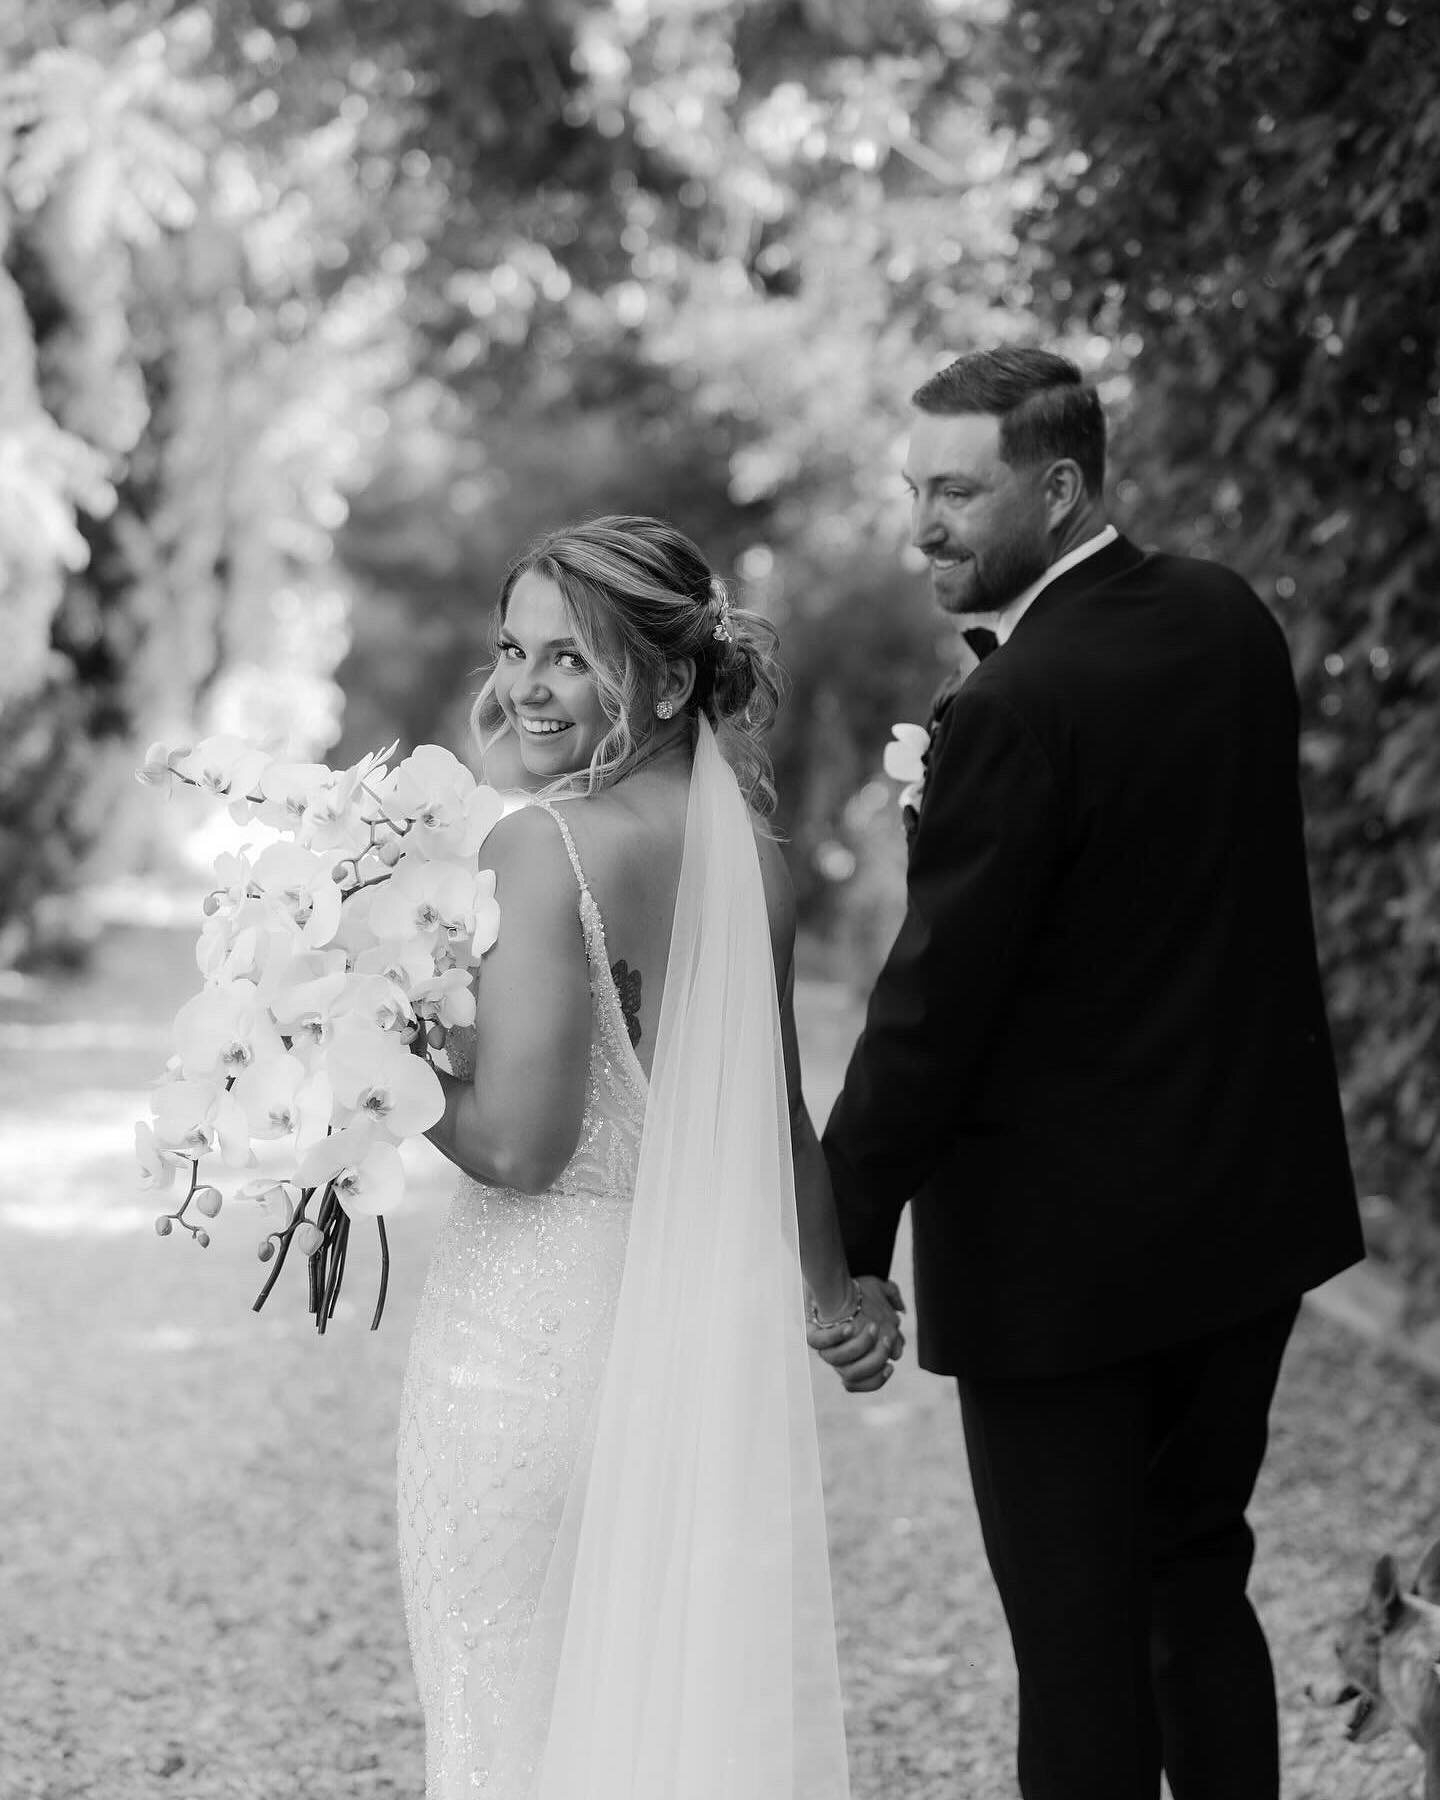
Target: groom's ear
[1064,489]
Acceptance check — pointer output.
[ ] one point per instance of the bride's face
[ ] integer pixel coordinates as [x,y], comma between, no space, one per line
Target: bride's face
[543,683]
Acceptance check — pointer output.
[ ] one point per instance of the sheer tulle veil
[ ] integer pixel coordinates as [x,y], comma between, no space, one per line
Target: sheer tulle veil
[684,1645]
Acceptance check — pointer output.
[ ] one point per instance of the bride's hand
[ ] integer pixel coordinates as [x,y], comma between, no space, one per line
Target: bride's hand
[864,1352]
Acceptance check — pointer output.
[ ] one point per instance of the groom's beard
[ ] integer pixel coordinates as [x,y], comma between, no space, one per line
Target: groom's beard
[989,581]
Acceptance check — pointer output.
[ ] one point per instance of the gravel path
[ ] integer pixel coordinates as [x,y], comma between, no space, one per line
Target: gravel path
[198,1594]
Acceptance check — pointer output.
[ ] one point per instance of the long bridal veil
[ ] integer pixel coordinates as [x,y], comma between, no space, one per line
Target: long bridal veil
[684,1646]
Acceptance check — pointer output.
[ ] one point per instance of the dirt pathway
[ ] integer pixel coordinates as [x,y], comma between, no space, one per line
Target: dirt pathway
[198,1594]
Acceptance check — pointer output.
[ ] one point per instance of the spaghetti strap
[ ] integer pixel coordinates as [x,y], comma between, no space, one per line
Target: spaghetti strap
[547,806]
[610,1007]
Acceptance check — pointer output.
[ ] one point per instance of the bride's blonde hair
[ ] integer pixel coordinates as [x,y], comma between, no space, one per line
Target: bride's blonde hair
[638,595]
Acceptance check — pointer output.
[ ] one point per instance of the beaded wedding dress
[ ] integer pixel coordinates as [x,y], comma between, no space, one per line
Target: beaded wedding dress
[612,1539]
[509,1346]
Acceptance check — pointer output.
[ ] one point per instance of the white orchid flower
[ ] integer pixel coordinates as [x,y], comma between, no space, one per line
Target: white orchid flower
[268,1094]
[484,924]
[158,1161]
[448,999]
[379,1003]
[450,814]
[409,963]
[438,902]
[429,776]
[905,760]
[288,791]
[415,901]
[224,1030]
[355,932]
[190,1115]
[306,1010]
[904,754]
[270,1193]
[339,814]
[382,1084]
[239,946]
[368,1174]
[233,872]
[293,968]
[158,769]
[225,766]
[298,889]
[287,1101]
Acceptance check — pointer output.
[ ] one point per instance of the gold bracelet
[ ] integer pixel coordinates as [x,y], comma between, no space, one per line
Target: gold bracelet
[844,1318]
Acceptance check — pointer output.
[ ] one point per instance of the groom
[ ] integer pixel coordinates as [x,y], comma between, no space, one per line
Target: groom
[1097,1062]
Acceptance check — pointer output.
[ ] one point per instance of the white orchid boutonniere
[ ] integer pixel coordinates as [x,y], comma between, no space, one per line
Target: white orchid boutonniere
[905,762]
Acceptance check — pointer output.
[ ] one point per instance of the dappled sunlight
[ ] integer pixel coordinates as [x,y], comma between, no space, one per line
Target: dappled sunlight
[312,316]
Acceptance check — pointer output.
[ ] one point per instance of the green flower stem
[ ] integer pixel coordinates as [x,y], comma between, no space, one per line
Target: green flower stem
[336,1272]
[282,1238]
[320,1262]
[384,1272]
[179,1213]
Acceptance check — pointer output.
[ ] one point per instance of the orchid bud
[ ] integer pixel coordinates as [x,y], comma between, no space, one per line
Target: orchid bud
[266,1249]
[164,1225]
[207,1200]
[340,874]
[390,852]
[210,905]
[202,1238]
[308,1237]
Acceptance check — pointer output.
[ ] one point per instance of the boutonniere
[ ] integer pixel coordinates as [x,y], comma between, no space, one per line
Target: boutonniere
[905,756]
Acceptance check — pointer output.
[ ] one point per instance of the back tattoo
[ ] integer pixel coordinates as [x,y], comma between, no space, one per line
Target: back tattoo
[627,985]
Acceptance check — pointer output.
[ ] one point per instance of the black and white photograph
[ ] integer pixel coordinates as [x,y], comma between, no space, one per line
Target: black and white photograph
[719,900]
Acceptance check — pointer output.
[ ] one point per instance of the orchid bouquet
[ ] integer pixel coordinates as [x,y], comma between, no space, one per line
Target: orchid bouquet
[325,955]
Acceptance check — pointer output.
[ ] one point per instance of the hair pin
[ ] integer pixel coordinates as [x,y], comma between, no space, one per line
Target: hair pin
[720,603]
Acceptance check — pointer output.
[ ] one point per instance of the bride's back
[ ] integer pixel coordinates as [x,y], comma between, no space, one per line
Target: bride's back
[630,840]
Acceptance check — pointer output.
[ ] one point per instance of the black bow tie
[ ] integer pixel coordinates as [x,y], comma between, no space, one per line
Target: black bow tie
[981,640]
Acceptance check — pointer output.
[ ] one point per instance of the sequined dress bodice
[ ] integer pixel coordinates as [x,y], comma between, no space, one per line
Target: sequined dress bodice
[509,1345]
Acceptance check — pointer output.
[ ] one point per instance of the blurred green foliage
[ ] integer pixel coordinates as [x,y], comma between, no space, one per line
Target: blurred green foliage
[1242,198]
[313,312]
[339,303]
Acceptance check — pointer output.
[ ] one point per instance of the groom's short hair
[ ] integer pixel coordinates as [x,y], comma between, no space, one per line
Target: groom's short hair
[1046,408]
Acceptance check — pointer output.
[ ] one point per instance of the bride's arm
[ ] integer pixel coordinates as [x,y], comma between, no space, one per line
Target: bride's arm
[822,1253]
[517,1123]
[869,1337]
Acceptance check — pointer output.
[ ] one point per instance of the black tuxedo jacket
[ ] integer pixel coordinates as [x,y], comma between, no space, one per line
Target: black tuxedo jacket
[1097,1057]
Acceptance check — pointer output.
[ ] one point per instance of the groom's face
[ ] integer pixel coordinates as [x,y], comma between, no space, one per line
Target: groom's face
[982,523]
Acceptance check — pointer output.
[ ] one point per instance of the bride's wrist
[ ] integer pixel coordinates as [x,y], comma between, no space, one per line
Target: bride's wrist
[844,1312]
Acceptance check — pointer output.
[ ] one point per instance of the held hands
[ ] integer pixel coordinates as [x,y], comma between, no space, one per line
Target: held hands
[863,1349]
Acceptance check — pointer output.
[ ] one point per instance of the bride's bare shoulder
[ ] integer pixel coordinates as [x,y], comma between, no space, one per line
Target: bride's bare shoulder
[527,853]
[621,832]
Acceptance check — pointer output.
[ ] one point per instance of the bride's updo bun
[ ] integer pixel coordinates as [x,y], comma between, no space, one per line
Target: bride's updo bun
[640,595]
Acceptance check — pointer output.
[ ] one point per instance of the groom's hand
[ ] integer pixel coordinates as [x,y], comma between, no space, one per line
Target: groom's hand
[863,1354]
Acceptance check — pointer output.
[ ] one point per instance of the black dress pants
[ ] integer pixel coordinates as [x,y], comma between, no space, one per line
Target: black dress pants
[1112,1504]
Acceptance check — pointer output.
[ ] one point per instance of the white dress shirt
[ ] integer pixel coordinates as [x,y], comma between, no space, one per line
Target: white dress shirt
[1004,622]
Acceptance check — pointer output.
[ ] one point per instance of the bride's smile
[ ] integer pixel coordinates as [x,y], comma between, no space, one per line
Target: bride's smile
[544,684]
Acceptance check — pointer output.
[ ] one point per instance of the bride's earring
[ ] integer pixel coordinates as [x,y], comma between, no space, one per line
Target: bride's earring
[664,708]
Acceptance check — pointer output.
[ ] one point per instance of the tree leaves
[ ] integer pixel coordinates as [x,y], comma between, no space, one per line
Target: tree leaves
[1255,205]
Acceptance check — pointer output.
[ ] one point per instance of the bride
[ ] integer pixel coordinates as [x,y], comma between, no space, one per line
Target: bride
[612,1537]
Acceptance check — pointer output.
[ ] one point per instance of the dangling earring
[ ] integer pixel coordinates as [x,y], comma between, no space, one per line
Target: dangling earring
[664,708]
